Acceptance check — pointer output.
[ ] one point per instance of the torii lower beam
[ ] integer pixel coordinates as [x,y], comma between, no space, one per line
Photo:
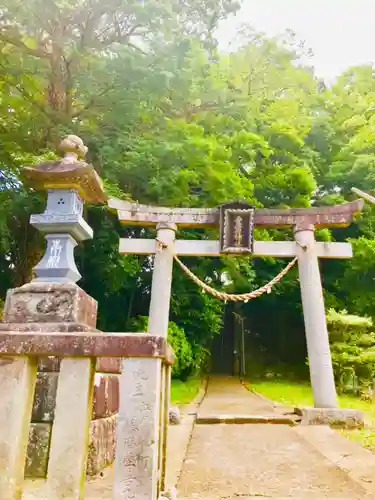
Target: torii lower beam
[211,248]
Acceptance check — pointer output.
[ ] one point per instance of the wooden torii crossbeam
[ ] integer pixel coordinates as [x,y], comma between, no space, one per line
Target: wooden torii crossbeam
[244,218]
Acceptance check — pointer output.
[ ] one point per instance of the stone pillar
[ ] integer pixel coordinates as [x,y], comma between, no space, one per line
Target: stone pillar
[137,473]
[70,432]
[162,281]
[17,382]
[320,363]
[164,426]
[136,462]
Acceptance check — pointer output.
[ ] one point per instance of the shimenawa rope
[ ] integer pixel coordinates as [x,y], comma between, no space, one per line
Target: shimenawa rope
[241,297]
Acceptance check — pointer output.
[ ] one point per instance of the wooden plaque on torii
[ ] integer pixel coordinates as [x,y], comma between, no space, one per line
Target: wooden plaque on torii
[236,228]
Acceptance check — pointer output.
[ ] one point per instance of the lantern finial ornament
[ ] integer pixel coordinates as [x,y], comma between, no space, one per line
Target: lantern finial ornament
[73,145]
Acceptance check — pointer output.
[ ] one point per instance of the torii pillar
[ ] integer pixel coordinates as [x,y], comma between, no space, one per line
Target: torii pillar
[317,340]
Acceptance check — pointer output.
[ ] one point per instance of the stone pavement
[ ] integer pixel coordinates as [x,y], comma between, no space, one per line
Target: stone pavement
[261,460]
[243,461]
[227,396]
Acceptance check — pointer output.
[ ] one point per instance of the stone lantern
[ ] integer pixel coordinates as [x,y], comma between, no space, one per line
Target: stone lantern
[69,183]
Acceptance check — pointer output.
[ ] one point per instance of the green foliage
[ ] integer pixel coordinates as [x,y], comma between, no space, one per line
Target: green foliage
[183,352]
[358,278]
[353,349]
[341,322]
[183,392]
[170,120]
[183,366]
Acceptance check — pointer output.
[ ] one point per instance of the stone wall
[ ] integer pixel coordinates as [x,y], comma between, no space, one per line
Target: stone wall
[103,424]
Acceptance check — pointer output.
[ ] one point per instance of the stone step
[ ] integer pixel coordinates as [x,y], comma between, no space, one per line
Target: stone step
[203,419]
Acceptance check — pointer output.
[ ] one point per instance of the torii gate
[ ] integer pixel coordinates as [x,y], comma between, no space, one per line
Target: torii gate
[233,219]
[303,220]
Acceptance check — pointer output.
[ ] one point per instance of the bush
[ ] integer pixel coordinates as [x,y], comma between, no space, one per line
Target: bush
[353,350]
[184,364]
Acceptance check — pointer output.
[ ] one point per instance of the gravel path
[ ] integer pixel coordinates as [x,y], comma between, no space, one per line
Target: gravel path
[254,461]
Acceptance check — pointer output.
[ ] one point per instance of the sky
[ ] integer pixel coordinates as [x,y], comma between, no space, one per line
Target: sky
[341,33]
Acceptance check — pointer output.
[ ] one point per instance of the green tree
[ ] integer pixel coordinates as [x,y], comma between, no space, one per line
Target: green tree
[170,120]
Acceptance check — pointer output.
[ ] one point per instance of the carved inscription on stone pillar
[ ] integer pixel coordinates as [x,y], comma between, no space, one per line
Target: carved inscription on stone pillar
[136,460]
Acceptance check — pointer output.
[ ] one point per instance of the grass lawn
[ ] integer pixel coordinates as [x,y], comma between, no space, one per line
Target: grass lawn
[300,394]
[183,393]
